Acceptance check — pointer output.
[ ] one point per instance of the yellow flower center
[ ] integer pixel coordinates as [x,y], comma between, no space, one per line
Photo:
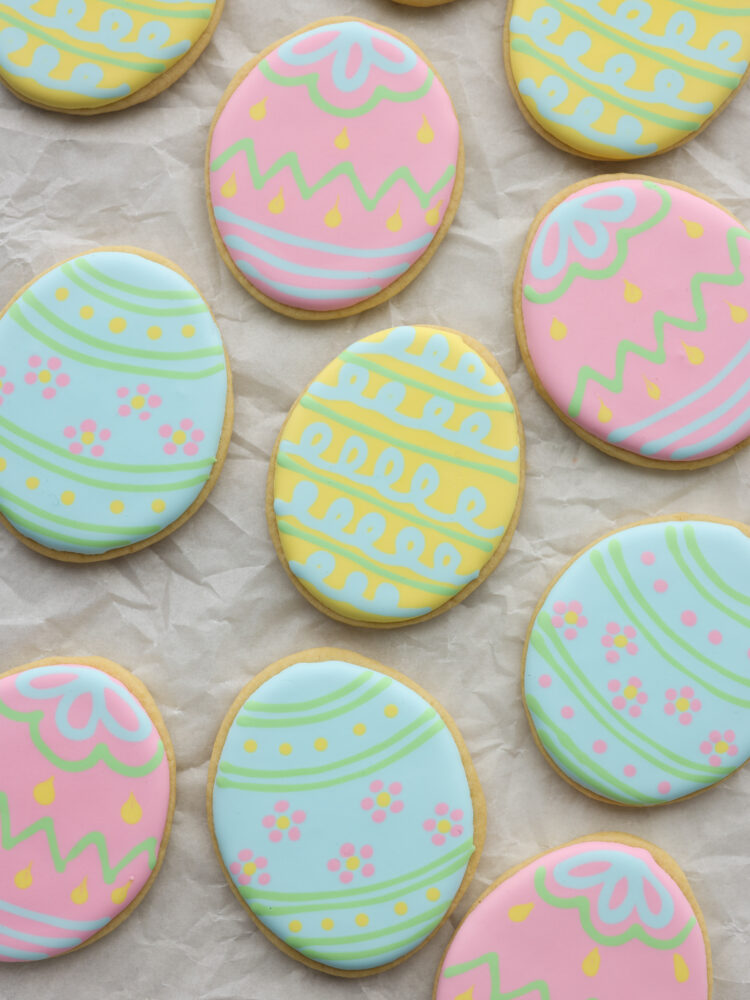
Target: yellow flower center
[137,402]
[620,641]
[87,437]
[283,822]
[682,704]
[249,868]
[45,376]
[722,746]
[444,826]
[352,864]
[570,617]
[383,799]
[179,437]
[630,692]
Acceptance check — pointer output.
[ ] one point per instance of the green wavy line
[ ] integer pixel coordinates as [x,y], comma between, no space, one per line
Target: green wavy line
[658,354]
[622,238]
[324,956]
[70,272]
[46,826]
[694,549]
[145,293]
[346,169]
[422,918]
[674,548]
[583,905]
[369,694]
[492,961]
[101,752]
[280,708]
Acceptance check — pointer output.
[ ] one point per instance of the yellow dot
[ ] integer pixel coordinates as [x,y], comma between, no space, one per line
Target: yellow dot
[295,926]
[61,294]
[32,482]
[250,745]
[283,822]
[571,617]
[117,325]
[285,749]
[383,799]
[433,894]
[153,332]
[400,909]
[3,464]
[390,711]
[67,497]
[352,864]
[179,437]
[45,376]
[682,704]
[520,912]
[630,692]
[137,402]
[321,743]
[721,747]
[444,826]
[620,641]
[188,330]
[87,312]
[327,924]
[158,506]
[360,729]
[88,437]
[117,506]
[361,920]
[249,868]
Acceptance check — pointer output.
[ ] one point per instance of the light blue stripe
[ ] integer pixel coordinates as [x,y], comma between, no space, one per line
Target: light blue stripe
[626,432]
[224,215]
[300,292]
[48,942]
[690,450]
[43,918]
[695,425]
[237,243]
[28,956]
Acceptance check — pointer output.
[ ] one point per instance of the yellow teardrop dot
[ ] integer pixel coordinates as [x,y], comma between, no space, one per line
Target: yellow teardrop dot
[333,217]
[694,354]
[605,414]
[23,878]
[394,223]
[276,205]
[681,971]
[467,995]
[693,229]
[80,894]
[738,313]
[131,811]
[44,792]
[425,133]
[590,964]
[342,139]
[258,111]
[558,330]
[119,895]
[652,388]
[229,188]
[520,912]
[632,293]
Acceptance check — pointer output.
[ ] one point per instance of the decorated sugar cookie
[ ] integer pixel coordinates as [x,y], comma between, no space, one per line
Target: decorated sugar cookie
[115,405]
[397,478]
[90,56]
[334,169]
[632,305]
[86,803]
[608,916]
[622,79]
[637,676]
[345,810]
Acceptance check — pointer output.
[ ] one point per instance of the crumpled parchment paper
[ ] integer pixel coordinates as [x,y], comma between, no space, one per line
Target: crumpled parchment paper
[197,615]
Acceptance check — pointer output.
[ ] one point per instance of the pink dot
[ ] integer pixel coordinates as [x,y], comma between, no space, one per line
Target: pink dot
[685,719]
[243,879]
[122,392]
[619,702]
[367,803]
[333,865]
[442,808]
[154,401]
[294,833]
[170,447]
[695,704]
[438,839]
[428,825]
[557,621]
[186,424]
[97,451]
[635,711]
[715,637]
[197,435]
[264,879]
[599,746]
[105,435]
[660,586]
[368,870]
[567,712]
[688,618]
[570,633]
[268,822]
[281,806]
[629,771]
[612,656]
[88,425]
[35,361]
[261,862]
[456,831]
[275,836]
[545,680]
[3,371]
[76,448]
[144,415]
[669,708]
[49,393]
[614,685]
[457,814]
[641,697]
[143,389]
[165,430]
[376,786]
[69,432]
[576,606]
[54,363]
[235,868]
[648,558]
[123,410]
[607,641]
[559,607]
[379,815]
[613,628]
[395,788]
[299,816]
[397,806]
[729,736]
[664,788]
[29,378]
[629,631]
[346,850]
[366,851]
[714,735]
[245,855]
[714,760]
[631,649]
[345,877]
[62,380]
[582,621]
[8,388]
[190,448]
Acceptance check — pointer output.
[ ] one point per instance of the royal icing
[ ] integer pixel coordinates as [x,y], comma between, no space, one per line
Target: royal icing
[638,663]
[113,391]
[635,311]
[343,813]
[619,80]
[592,919]
[332,165]
[73,54]
[84,799]
[397,475]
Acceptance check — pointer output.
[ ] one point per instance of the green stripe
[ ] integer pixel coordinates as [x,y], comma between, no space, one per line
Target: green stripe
[289,463]
[369,694]
[70,272]
[674,548]
[199,15]
[441,456]
[67,522]
[694,549]
[712,8]
[373,366]
[521,45]
[326,956]
[101,751]
[145,293]
[573,771]
[303,706]
[87,359]
[100,545]
[347,553]
[343,779]
[422,918]
[249,772]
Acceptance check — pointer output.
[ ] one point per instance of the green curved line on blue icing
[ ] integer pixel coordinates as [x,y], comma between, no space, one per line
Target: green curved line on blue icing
[70,271]
[676,553]
[254,704]
[137,291]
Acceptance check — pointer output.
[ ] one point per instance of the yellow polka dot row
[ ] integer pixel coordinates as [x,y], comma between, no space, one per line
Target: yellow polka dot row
[118,324]
[361,919]
[67,497]
[321,743]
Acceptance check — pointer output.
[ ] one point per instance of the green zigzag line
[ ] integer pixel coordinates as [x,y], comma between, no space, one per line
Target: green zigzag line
[47,827]
[99,753]
[583,905]
[492,962]
[291,160]
[381,93]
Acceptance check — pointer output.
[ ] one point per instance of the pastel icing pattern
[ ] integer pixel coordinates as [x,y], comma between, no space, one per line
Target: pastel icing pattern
[638,665]
[112,402]
[635,306]
[343,813]
[84,797]
[332,166]
[397,474]
[593,919]
[72,54]
[619,79]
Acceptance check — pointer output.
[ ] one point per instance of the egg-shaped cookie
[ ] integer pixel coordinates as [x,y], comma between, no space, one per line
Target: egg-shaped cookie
[89,56]
[607,916]
[396,481]
[632,310]
[345,810]
[115,405]
[623,79]
[637,663]
[334,169]
[87,777]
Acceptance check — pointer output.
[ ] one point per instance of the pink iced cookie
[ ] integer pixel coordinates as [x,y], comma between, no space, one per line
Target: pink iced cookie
[632,312]
[610,917]
[335,168]
[86,801]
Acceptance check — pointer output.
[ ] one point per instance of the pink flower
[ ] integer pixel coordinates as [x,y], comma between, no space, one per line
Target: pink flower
[383,800]
[246,866]
[87,439]
[446,824]
[46,376]
[681,704]
[717,744]
[631,696]
[349,862]
[619,638]
[281,823]
[569,617]
[6,388]
[178,436]
[142,401]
